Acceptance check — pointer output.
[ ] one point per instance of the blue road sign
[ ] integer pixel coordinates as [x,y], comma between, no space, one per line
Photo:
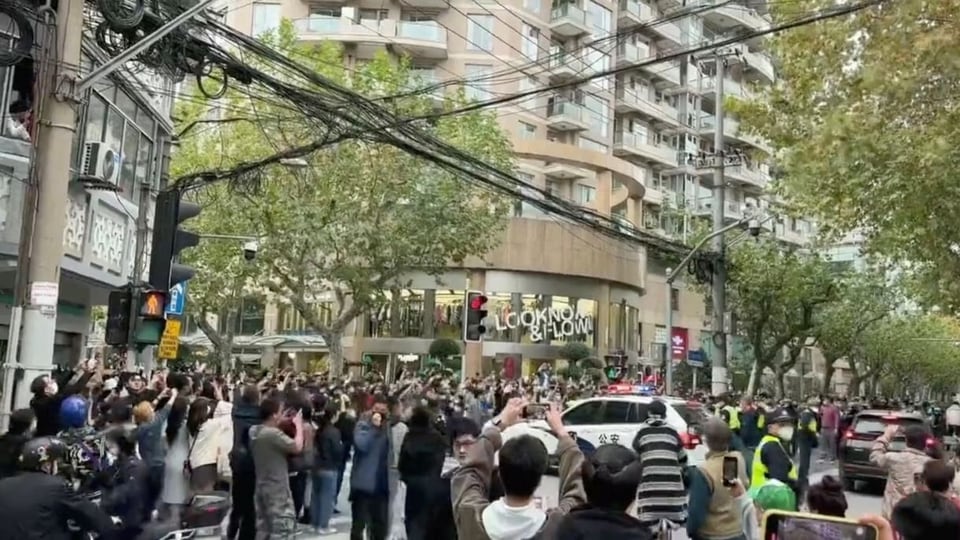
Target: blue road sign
[178,297]
[695,358]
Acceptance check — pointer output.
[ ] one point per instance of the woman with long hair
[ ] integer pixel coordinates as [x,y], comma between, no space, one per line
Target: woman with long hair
[328,452]
[176,488]
[202,455]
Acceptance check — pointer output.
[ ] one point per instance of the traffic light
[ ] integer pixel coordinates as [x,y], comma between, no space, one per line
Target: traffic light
[476,308]
[117,331]
[169,240]
[150,320]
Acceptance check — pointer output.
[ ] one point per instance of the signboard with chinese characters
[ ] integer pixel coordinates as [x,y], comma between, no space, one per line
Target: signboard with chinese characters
[679,344]
[546,323]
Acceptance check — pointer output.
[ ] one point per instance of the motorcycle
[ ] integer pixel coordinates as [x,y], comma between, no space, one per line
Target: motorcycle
[202,519]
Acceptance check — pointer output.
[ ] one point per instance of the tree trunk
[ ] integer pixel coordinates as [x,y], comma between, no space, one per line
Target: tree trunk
[753,383]
[779,381]
[828,372]
[334,341]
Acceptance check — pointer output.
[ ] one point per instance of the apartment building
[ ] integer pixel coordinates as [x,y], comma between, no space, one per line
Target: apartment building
[624,145]
[124,124]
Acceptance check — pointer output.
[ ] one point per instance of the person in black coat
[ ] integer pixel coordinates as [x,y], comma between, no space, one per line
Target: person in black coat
[125,483]
[246,414]
[422,454]
[346,423]
[49,391]
[11,442]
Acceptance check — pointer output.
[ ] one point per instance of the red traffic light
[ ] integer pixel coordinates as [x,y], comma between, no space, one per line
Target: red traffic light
[477,302]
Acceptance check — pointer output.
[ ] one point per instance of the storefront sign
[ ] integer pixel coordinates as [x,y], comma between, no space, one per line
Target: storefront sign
[678,344]
[540,323]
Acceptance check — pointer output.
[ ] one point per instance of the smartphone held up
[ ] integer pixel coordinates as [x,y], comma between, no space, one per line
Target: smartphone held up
[779,525]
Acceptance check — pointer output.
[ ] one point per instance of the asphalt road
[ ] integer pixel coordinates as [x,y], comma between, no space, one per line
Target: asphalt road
[860,503]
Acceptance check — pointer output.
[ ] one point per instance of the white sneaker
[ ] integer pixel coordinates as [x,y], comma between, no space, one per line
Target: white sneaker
[326,532]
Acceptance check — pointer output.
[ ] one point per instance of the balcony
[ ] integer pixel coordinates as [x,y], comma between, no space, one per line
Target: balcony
[419,39]
[730,88]
[427,4]
[668,71]
[629,54]
[424,39]
[566,65]
[761,64]
[633,13]
[635,145]
[748,175]
[566,116]
[631,102]
[790,235]
[728,16]
[569,21]
[564,171]
[732,210]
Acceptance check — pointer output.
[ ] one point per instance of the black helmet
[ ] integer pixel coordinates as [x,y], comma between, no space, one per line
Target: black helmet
[779,416]
[41,450]
[124,437]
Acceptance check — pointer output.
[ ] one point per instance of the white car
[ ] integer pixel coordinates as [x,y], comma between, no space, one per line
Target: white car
[616,419]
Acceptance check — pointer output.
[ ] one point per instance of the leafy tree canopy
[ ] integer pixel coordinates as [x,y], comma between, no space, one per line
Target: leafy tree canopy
[354,219]
[865,120]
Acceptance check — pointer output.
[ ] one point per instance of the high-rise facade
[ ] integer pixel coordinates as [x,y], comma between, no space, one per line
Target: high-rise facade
[621,145]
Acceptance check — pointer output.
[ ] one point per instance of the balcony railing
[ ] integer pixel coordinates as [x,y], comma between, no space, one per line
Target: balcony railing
[569,12]
[423,31]
[566,109]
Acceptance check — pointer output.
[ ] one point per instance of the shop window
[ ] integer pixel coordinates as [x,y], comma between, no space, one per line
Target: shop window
[400,314]
[448,313]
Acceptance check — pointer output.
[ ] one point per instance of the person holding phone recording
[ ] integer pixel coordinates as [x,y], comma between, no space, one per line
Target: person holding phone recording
[717,488]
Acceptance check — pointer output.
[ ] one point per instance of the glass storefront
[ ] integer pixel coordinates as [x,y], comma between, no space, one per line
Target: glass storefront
[514,317]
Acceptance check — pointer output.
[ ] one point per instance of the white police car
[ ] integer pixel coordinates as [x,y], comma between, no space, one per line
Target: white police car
[616,418]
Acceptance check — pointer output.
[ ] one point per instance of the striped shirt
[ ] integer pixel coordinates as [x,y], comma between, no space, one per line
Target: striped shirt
[661,494]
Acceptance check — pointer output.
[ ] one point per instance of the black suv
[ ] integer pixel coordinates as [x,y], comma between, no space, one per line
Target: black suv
[855,444]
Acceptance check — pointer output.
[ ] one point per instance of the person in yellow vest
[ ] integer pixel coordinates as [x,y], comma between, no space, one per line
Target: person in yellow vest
[807,438]
[771,460]
[728,413]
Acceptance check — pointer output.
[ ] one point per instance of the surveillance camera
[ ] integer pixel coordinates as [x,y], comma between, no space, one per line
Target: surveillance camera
[753,227]
[250,250]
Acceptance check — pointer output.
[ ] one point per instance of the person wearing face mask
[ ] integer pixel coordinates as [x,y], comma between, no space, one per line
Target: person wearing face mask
[771,460]
[125,482]
[49,392]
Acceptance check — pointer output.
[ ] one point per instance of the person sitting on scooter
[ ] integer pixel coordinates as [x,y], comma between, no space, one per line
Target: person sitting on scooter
[37,504]
[125,482]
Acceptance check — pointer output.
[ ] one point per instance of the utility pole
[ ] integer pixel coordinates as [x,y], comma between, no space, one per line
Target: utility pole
[717,323]
[57,125]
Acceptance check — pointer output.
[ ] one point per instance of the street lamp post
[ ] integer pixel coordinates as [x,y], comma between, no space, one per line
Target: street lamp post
[672,275]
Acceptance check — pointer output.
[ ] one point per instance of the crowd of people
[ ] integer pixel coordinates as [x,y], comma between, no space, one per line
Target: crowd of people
[112,453]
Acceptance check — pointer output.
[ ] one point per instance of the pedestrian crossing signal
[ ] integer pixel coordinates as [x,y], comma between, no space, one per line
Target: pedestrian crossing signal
[152,304]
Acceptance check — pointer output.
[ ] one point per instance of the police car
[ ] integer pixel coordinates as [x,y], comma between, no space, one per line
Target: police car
[615,418]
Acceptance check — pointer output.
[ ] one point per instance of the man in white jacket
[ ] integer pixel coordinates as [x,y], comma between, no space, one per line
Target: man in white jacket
[953,419]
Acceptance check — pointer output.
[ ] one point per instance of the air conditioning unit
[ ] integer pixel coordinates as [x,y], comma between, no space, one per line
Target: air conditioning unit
[100,162]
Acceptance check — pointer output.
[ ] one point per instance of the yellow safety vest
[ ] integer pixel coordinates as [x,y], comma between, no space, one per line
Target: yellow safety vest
[758,476]
[761,419]
[734,422]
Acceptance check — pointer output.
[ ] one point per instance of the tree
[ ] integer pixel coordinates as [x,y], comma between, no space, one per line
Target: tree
[443,350]
[908,354]
[863,301]
[354,219]
[575,351]
[865,130]
[776,295]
